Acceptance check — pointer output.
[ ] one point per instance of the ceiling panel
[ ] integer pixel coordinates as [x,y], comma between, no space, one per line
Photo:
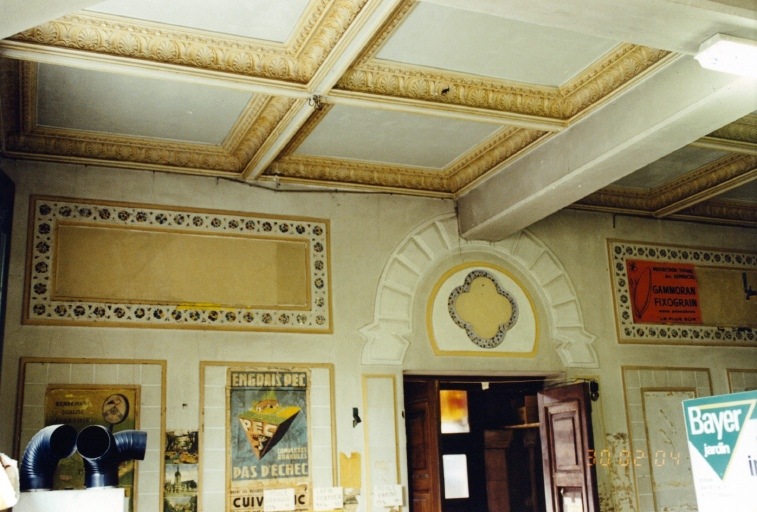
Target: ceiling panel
[391,137]
[745,193]
[256,19]
[434,98]
[95,101]
[468,42]
[670,167]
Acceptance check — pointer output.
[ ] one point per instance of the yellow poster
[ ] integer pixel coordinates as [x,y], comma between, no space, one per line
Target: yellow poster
[114,407]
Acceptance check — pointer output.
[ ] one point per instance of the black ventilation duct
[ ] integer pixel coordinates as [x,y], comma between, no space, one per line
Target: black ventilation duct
[102,452]
[41,456]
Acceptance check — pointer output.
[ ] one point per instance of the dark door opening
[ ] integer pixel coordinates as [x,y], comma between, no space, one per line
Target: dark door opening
[476,444]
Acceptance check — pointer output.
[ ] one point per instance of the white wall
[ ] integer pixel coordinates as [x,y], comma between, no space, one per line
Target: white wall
[365,231]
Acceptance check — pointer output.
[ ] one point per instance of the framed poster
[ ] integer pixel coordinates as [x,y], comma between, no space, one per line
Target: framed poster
[683,295]
[148,409]
[268,432]
[180,471]
[115,407]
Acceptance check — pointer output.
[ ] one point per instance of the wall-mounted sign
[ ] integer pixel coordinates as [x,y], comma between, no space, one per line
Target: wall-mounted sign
[387,496]
[722,435]
[683,295]
[328,498]
[663,292]
[268,430]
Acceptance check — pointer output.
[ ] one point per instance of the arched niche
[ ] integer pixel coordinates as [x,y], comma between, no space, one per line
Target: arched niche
[435,243]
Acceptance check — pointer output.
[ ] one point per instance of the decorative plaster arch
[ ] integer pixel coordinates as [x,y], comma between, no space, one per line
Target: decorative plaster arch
[388,337]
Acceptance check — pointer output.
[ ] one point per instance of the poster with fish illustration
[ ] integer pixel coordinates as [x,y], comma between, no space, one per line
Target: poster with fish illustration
[268,436]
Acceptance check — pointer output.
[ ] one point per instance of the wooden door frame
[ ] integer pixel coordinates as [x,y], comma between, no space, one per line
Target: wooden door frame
[466,377]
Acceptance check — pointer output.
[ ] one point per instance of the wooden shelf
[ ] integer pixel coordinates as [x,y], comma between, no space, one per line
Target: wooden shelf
[523,425]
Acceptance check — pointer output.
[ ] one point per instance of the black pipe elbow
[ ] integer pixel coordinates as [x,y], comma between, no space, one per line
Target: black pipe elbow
[42,454]
[102,452]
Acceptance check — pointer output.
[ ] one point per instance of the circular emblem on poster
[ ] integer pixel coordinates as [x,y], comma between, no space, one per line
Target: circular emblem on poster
[115,409]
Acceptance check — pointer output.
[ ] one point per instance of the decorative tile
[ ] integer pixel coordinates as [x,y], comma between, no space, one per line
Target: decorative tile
[48,215]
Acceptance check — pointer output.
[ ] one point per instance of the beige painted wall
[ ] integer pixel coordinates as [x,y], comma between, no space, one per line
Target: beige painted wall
[365,231]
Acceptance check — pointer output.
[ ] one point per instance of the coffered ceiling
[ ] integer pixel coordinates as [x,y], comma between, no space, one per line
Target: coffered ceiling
[513,109]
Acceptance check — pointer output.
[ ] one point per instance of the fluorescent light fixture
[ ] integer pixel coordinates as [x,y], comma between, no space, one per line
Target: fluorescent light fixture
[729,54]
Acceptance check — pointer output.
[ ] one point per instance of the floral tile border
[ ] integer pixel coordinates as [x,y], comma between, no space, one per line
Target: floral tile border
[41,308]
[629,332]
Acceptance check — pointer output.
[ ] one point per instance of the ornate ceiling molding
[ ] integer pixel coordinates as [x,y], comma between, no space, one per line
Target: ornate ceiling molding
[370,75]
[618,68]
[622,66]
[704,183]
[505,144]
[295,61]
[674,199]
[254,126]
[742,130]
[302,134]
[739,136]
[476,164]
[358,175]
[722,212]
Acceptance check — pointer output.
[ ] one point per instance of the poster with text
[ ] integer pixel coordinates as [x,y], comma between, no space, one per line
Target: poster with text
[268,431]
[115,407]
[722,438]
[663,292]
[180,473]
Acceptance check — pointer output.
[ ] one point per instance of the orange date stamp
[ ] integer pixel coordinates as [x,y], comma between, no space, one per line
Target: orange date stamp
[627,458]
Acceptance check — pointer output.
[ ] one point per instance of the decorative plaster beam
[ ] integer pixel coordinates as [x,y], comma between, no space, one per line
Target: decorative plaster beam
[147,69]
[349,47]
[673,107]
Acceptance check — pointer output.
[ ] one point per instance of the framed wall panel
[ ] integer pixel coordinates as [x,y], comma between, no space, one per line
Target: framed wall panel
[136,265]
[658,451]
[741,380]
[683,295]
[214,433]
[37,375]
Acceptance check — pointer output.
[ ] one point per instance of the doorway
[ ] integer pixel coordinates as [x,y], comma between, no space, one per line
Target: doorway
[495,444]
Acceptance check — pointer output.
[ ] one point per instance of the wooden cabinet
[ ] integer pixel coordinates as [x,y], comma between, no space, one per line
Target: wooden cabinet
[513,471]
[496,443]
